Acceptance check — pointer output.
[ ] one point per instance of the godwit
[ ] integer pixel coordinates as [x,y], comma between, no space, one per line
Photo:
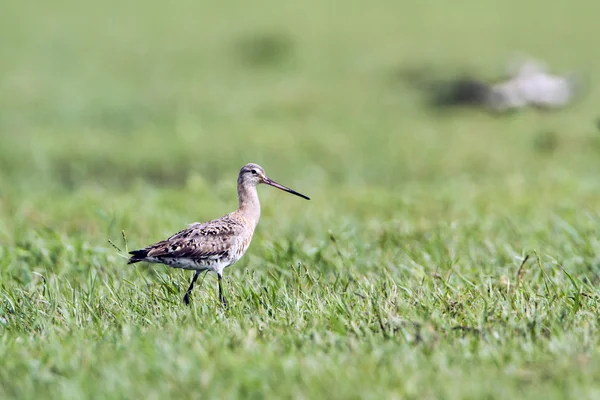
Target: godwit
[217,244]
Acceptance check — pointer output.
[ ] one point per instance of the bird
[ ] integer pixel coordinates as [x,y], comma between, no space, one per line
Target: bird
[527,84]
[216,244]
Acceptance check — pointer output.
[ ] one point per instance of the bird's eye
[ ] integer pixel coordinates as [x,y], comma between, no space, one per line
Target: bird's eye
[254,172]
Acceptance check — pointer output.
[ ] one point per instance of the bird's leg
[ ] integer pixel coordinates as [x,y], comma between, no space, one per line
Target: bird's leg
[221,298]
[186,298]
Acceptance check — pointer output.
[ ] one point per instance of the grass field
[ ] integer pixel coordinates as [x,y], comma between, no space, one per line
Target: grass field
[403,277]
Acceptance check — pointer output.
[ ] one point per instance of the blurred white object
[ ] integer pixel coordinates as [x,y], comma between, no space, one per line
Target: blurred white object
[531,85]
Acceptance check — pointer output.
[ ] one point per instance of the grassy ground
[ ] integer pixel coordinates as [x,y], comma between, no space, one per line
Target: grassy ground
[401,278]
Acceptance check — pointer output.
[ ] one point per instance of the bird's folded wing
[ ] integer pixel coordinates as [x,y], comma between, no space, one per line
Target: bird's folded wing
[210,240]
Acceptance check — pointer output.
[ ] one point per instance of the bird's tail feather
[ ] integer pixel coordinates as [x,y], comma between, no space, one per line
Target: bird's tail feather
[137,256]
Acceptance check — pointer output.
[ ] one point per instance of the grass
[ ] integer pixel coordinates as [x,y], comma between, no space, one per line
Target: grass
[443,255]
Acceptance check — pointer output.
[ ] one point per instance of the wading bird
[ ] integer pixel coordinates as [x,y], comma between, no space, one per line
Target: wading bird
[217,244]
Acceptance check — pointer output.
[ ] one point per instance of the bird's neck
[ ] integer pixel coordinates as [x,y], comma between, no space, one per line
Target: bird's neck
[248,204]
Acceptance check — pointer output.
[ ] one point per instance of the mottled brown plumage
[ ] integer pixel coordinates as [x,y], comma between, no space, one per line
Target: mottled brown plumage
[217,244]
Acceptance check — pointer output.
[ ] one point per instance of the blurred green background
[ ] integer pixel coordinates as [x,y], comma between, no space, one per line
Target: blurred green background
[398,279]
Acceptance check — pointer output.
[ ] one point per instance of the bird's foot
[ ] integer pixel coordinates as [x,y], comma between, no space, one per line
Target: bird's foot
[224,302]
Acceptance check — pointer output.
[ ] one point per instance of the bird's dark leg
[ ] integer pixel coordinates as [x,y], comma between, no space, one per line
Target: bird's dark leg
[223,301]
[186,298]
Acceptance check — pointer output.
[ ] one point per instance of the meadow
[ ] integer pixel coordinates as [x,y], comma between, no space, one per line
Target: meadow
[445,254]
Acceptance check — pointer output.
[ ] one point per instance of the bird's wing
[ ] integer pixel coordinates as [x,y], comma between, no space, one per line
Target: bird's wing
[209,240]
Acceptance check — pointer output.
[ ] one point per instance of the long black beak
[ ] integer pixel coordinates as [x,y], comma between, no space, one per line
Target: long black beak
[286,189]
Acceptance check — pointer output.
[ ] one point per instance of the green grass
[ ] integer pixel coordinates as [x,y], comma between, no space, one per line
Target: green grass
[401,278]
